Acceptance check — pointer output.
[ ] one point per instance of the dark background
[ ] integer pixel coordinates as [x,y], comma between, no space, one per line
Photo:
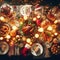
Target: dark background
[42,2]
[6,57]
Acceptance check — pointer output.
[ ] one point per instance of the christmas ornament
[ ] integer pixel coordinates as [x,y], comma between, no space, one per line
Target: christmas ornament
[25,49]
[37,7]
[38,22]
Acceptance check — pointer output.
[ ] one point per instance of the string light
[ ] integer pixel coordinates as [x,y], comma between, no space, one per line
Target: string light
[17,36]
[55,33]
[56,21]
[21,22]
[40,29]
[36,35]
[2,18]
[49,28]
[25,17]
[34,19]
[23,38]
[8,36]
[28,40]
[1,38]
[11,43]
[30,43]
[38,16]
[14,28]
[7,40]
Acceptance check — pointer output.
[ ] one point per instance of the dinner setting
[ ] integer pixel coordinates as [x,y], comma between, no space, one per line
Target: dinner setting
[29,29]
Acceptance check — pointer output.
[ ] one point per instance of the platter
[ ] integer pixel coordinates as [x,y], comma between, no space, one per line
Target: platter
[4,47]
[37,49]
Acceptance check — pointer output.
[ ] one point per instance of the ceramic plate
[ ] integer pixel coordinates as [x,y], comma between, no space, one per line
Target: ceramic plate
[4,47]
[37,49]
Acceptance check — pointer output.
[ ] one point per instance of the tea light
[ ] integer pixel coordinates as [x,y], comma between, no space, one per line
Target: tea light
[34,19]
[2,18]
[38,16]
[28,40]
[17,36]
[56,21]
[1,38]
[8,36]
[36,35]
[21,22]
[23,38]
[14,28]
[25,17]
[49,28]
[40,29]
[55,33]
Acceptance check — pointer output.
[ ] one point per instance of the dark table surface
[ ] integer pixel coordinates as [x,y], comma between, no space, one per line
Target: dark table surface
[6,57]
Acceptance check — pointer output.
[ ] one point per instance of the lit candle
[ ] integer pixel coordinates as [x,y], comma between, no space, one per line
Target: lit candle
[2,18]
[14,28]
[49,28]
[40,29]
[34,19]
[8,36]
[1,38]
[38,16]
[25,17]
[28,40]
[36,35]
[55,33]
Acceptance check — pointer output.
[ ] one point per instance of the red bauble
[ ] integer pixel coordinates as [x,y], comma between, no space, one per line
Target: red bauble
[38,22]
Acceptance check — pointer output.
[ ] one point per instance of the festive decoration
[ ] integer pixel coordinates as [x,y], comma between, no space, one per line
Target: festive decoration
[23,26]
[38,22]
[26,48]
[37,7]
[55,49]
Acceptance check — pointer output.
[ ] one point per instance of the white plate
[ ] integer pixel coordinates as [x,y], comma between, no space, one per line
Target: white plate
[40,49]
[25,10]
[5,49]
[5,4]
[8,26]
